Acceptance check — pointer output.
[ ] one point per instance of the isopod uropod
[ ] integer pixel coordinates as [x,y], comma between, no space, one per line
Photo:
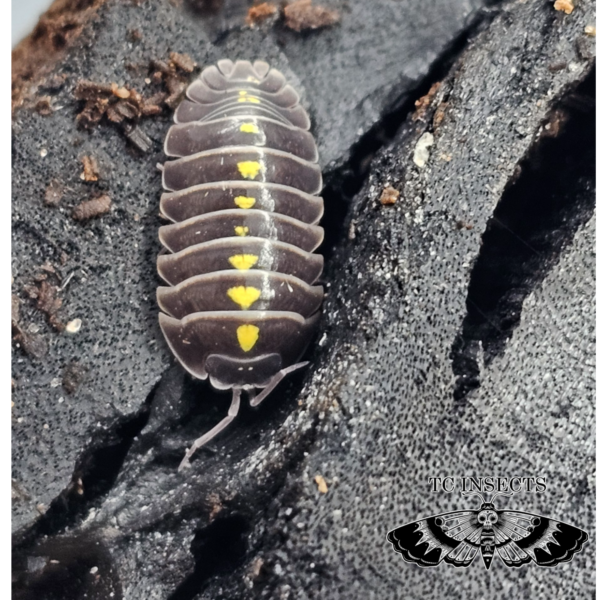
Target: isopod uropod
[240,307]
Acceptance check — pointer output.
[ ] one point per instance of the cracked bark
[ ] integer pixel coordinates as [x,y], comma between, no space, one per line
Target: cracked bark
[379,412]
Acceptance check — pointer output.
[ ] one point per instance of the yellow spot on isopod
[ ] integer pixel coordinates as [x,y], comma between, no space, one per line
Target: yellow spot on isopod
[247,336]
[249,128]
[249,169]
[243,97]
[241,230]
[244,201]
[243,261]
[244,296]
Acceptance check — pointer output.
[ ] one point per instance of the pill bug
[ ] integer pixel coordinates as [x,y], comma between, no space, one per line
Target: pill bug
[240,307]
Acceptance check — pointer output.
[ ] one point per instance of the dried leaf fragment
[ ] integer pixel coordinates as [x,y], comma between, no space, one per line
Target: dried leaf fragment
[565,6]
[88,209]
[260,12]
[423,103]
[389,195]
[90,169]
[182,61]
[47,301]
[301,15]
[138,138]
[590,30]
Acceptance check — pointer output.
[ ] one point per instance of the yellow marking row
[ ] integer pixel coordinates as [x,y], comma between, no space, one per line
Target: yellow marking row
[243,262]
[249,128]
[244,97]
[247,336]
[244,201]
[241,230]
[244,296]
[249,169]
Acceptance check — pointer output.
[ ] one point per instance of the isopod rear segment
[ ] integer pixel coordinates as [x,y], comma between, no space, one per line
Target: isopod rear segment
[240,305]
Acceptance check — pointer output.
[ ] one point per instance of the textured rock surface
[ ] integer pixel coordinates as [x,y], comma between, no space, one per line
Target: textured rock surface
[379,413]
[112,290]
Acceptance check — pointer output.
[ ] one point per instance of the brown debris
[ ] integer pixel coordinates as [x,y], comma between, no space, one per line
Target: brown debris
[554,68]
[260,12]
[54,193]
[32,344]
[88,209]
[424,102]
[565,6]
[47,301]
[134,35]
[439,114]
[590,30]
[35,57]
[73,376]
[90,169]
[460,224]
[43,106]
[301,14]
[183,62]
[123,104]
[174,75]
[554,123]
[138,138]
[389,196]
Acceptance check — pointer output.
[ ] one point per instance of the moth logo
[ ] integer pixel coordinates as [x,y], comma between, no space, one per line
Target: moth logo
[516,537]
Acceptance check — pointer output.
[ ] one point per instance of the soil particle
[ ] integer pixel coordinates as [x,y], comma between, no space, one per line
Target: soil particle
[301,15]
[460,224]
[321,484]
[44,106]
[88,209]
[389,196]
[73,376]
[261,12]
[421,155]
[565,6]
[424,102]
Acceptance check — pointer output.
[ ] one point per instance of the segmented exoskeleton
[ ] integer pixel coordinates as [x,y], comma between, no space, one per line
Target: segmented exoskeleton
[241,308]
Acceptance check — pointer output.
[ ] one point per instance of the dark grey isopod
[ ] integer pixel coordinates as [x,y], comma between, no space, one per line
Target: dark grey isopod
[240,307]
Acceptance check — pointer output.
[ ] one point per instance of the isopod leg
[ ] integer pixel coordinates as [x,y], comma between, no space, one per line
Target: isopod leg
[275,381]
[231,414]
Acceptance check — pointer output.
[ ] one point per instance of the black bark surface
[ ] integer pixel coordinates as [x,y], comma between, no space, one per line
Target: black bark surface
[458,337]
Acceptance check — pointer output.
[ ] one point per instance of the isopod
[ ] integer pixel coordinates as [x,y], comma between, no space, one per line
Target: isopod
[241,306]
